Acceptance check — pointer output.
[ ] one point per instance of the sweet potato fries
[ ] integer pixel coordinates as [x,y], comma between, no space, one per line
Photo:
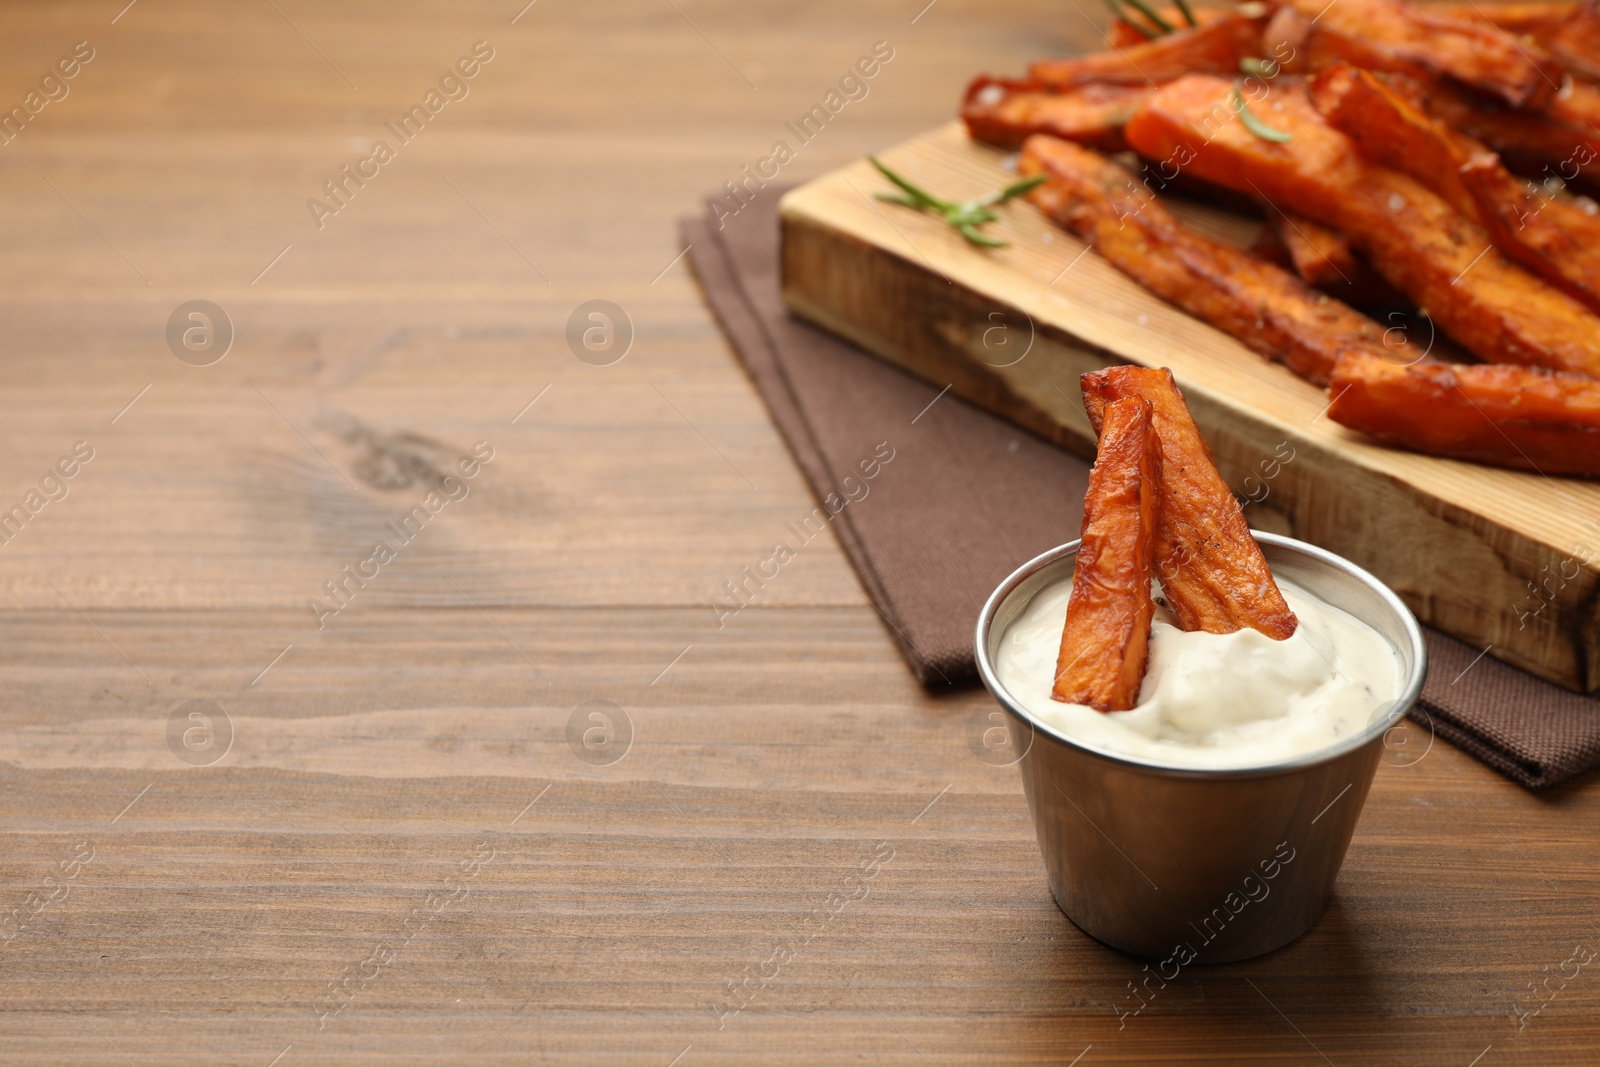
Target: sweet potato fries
[1568,31]
[1156,508]
[1208,563]
[1107,637]
[1422,245]
[1387,146]
[1520,417]
[1392,35]
[1265,307]
[1549,237]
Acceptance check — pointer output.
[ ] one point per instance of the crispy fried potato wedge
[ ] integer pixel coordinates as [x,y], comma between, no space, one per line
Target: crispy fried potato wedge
[1006,113]
[1520,417]
[1422,245]
[1394,35]
[1267,308]
[1213,47]
[1106,641]
[1210,567]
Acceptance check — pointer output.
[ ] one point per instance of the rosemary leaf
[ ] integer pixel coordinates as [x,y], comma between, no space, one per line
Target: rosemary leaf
[1122,16]
[972,234]
[1148,12]
[1018,188]
[1255,125]
[897,198]
[924,199]
[1013,190]
[965,217]
[1264,69]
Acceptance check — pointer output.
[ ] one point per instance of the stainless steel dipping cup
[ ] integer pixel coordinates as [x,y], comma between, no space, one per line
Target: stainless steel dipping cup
[1200,866]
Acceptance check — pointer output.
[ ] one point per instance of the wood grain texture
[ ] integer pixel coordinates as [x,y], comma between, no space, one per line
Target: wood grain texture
[910,289]
[409,736]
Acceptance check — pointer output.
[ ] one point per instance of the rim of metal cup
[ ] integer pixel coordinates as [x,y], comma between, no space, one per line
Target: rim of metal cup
[1410,691]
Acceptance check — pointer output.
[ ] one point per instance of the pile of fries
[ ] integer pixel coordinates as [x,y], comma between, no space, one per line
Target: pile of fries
[1155,508]
[1435,154]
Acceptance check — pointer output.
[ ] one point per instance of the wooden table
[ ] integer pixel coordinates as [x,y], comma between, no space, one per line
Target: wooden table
[406,853]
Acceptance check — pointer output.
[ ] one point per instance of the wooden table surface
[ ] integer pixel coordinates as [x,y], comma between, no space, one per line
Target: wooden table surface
[383,840]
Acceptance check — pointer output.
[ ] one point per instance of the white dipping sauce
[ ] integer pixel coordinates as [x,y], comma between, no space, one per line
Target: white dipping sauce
[1215,700]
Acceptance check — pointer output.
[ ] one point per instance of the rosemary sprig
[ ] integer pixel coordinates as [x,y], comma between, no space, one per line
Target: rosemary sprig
[965,217]
[1148,12]
[1122,16]
[1255,125]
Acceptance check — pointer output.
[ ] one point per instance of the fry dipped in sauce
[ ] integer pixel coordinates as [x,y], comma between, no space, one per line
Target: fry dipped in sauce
[1106,642]
[1209,565]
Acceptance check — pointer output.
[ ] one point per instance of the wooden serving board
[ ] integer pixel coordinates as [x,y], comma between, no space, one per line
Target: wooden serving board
[1505,560]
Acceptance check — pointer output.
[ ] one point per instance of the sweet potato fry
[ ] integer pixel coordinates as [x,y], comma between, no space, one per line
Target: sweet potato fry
[1570,32]
[1394,35]
[1268,248]
[1520,417]
[1536,18]
[1576,42]
[1562,140]
[1006,113]
[1210,567]
[1321,256]
[1262,305]
[1289,38]
[1106,642]
[1395,131]
[1214,47]
[1414,238]
[1577,107]
[1550,237]
[1325,260]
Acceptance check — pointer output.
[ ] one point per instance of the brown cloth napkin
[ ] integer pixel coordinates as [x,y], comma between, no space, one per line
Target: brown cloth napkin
[964,497]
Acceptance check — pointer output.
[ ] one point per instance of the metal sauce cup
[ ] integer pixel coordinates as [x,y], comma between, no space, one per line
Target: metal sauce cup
[1200,866]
